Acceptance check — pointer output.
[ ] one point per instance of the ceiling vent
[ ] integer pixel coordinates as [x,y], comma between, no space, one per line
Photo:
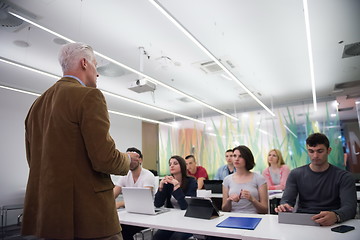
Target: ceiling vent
[185,99]
[6,19]
[245,95]
[210,67]
[11,23]
[351,50]
[344,85]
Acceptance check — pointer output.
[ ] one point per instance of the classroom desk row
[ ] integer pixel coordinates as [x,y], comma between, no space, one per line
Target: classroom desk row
[268,228]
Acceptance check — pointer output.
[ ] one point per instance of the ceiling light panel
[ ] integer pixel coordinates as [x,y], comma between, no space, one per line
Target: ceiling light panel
[126,67]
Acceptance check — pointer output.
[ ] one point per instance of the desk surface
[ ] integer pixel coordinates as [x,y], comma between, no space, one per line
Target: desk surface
[268,228]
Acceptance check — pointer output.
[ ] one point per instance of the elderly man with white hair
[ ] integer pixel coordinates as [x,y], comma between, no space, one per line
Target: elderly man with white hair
[71,155]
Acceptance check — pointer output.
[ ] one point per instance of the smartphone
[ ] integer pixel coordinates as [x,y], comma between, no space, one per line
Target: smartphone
[342,228]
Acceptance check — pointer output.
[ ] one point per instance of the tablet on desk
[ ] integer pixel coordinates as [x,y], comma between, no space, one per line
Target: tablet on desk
[201,208]
[297,218]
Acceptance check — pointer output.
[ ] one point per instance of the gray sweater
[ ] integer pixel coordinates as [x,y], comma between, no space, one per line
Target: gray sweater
[331,190]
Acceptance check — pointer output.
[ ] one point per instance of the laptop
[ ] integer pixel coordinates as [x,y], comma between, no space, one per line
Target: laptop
[297,218]
[214,185]
[140,200]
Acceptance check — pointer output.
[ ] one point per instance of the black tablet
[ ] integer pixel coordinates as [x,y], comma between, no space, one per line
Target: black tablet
[199,207]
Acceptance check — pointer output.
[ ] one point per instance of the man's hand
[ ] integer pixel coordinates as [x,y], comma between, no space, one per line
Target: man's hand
[133,156]
[325,218]
[284,208]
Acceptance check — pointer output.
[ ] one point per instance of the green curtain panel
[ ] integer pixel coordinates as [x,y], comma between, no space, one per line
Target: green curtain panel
[257,130]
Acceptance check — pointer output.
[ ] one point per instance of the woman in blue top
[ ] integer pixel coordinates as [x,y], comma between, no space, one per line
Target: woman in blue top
[171,194]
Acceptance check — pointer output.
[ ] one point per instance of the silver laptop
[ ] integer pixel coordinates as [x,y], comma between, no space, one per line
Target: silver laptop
[297,218]
[140,200]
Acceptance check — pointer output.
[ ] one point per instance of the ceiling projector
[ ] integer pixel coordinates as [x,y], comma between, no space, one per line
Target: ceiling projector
[142,85]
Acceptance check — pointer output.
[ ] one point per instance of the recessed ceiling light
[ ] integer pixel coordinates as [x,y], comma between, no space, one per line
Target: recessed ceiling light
[59,41]
[111,70]
[21,43]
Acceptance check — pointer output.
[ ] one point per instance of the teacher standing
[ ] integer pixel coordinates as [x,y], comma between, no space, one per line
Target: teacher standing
[71,156]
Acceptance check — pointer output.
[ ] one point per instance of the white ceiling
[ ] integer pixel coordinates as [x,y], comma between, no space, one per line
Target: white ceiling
[265,41]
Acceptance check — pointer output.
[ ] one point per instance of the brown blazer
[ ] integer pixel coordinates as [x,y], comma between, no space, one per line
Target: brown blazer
[70,155]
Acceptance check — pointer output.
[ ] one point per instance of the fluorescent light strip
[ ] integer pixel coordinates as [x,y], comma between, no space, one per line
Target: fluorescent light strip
[140,118]
[207,52]
[290,131]
[310,51]
[28,68]
[20,91]
[105,92]
[110,111]
[129,68]
[41,27]
[152,107]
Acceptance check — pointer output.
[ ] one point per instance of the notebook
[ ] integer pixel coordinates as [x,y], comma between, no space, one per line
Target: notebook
[297,218]
[240,222]
[199,207]
[140,200]
[214,185]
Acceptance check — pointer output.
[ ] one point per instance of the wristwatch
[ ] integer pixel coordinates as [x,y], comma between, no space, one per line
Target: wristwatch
[338,220]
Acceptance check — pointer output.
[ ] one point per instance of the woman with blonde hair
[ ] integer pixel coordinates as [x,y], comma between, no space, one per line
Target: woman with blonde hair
[277,172]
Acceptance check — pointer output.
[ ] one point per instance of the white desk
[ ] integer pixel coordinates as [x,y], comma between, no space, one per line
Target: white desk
[268,228]
[216,195]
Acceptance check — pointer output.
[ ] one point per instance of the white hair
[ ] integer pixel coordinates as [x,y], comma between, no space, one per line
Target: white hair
[71,53]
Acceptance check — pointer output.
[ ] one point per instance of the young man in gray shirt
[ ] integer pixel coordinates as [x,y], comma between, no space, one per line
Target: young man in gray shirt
[325,190]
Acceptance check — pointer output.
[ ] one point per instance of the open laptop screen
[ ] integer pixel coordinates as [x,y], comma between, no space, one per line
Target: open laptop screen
[214,185]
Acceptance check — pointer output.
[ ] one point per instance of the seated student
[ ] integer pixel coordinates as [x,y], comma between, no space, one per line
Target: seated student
[324,190]
[277,172]
[171,194]
[228,168]
[196,171]
[136,177]
[244,191]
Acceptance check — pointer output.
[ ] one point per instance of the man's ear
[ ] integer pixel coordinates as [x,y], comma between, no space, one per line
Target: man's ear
[83,63]
[329,150]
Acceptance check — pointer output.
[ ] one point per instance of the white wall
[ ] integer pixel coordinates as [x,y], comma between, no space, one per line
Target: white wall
[13,165]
